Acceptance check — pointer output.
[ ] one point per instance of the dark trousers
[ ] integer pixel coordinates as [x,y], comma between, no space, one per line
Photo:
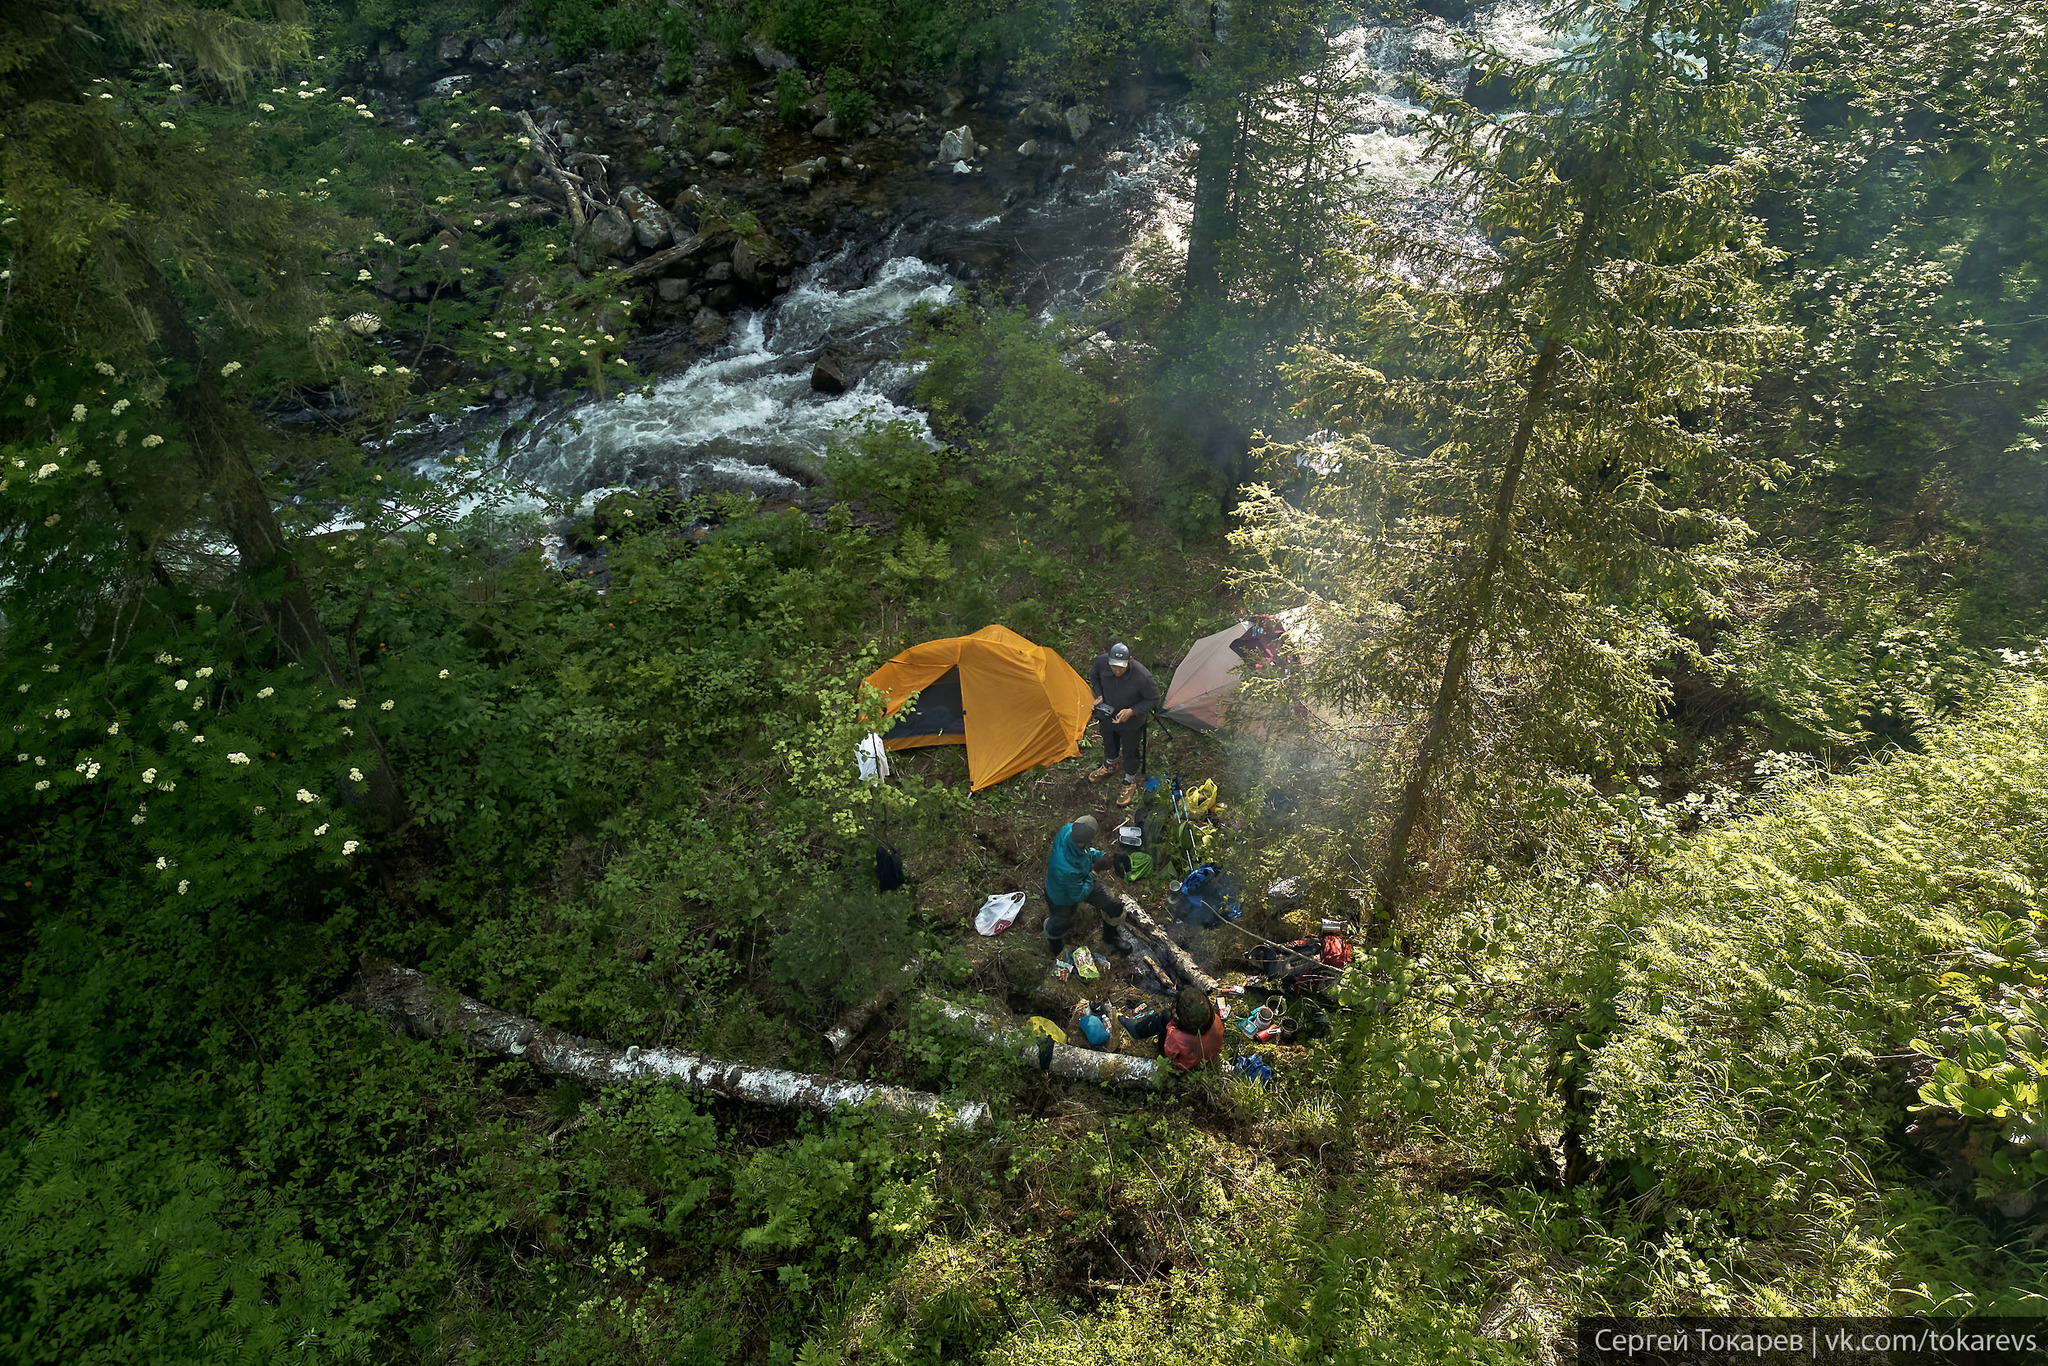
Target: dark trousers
[1061,918]
[1127,740]
[1151,1025]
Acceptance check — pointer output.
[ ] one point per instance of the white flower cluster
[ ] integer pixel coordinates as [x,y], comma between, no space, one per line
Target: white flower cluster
[238,758]
[306,796]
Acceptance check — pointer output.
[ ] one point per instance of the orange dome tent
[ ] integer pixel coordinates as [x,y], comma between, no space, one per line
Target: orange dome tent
[1012,703]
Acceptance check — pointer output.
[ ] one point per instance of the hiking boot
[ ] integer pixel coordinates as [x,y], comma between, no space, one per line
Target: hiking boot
[1108,768]
[1117,939]
[1123,798]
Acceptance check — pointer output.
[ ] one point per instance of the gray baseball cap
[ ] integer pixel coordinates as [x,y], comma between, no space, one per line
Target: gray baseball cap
[1085,829]
[1119,653]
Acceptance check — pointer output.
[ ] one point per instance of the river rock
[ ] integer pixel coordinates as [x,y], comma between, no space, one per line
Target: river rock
[957,144]
[837,371]
[613,232]
[651,224]
[720,159]
[672,291]
[1028,148]
[1044,116]
[452,49]
[799,176]
[773,59]
[756,258]
[709,327]
[827,128]
[1078,123]
[951,98]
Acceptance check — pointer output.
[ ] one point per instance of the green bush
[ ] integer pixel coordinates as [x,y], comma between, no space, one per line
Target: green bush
[842,945]
[792,92]
[850,105]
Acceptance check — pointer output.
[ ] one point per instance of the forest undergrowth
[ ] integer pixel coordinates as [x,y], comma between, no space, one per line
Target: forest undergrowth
[1685,796]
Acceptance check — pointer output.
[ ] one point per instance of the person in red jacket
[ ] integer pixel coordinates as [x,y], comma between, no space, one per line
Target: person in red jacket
[1190,1034]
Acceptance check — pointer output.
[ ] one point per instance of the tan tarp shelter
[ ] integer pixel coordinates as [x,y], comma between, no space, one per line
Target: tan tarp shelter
[1205,677]
[1211,671]
[1014,704]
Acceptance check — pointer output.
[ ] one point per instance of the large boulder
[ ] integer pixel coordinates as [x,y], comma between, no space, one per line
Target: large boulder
[672,291]
[828,129]
[756,257]
[652,226]
[837,371]
[957,144]
[951,98]
[1078,123]
[1044,116]
[613,232]
[798,176]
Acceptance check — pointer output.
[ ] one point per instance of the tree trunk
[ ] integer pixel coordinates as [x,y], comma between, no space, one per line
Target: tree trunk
[214,431]
[1134,915]
[1215,165]
[1062,1060]
[1458,658]
[418,1005]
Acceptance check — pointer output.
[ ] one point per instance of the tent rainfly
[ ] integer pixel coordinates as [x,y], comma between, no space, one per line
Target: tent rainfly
[1015,705]
[1205,677]
[1212,669]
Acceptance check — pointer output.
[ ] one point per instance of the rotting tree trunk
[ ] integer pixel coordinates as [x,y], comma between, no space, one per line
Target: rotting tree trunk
[1067,1062]
[416,1004]
[212,428]
[1134,914]
[1458,658]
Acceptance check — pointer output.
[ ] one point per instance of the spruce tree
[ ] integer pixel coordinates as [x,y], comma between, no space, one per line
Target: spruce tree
[1507,567]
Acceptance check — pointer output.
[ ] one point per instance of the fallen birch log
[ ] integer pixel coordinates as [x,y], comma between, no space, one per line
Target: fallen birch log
[1184,965]
[411,1000]
[856,1019]
[1068,1062]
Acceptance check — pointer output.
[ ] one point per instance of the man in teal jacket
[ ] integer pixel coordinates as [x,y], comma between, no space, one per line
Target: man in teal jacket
[1070,880]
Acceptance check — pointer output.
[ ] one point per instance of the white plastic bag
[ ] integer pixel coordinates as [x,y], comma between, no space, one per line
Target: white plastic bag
[999,912]
[873,759]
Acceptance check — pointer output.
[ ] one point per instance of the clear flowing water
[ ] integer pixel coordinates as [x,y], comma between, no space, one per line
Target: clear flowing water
[745,416]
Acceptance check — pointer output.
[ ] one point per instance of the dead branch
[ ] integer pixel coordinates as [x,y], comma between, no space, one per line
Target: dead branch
[856,1018]
[662,259]
[544,147]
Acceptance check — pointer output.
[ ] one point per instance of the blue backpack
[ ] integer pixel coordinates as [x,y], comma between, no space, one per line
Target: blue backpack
[1206,898]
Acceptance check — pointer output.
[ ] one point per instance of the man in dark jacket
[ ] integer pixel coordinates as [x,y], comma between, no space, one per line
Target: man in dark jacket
[1125,687]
